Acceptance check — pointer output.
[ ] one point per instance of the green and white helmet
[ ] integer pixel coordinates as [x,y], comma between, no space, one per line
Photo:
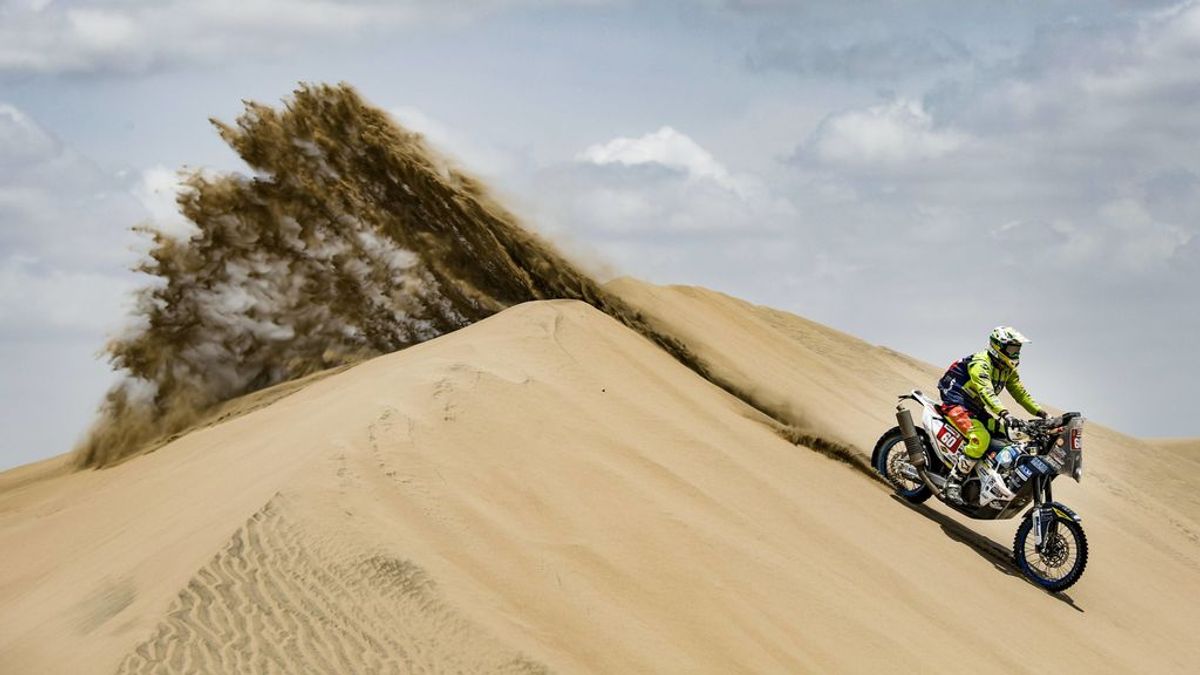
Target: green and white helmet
[1004,344]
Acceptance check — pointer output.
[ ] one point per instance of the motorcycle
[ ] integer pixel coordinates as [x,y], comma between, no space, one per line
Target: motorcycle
[1050,547]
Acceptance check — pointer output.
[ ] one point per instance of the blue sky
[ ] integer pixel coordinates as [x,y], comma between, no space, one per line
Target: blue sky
[910,172]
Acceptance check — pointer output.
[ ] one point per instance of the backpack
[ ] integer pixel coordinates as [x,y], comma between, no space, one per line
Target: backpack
[950,387]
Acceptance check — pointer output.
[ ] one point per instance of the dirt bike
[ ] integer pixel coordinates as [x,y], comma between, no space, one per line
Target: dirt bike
[1050,548]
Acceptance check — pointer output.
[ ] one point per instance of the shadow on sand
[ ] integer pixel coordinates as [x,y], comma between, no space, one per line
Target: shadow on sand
[999,556]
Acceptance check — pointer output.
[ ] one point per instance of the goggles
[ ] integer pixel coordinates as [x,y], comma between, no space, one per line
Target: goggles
[1012,351]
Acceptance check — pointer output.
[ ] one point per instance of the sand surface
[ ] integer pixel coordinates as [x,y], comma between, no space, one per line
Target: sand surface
[547,491]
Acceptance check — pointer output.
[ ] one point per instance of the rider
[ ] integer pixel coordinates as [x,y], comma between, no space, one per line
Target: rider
[970,396]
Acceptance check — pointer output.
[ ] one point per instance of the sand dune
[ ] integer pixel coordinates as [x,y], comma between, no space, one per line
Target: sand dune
[548,490]
[845,389]
[1185,450]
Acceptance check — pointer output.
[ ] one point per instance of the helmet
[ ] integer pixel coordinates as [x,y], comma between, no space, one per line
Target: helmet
[1004,344]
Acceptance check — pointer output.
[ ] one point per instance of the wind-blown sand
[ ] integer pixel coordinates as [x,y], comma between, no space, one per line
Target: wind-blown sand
[548,490]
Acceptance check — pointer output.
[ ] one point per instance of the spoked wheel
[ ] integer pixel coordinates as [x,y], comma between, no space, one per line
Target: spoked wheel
[1063,556]
[890,456]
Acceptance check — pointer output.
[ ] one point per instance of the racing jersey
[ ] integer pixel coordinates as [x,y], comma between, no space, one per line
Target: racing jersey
[975,382]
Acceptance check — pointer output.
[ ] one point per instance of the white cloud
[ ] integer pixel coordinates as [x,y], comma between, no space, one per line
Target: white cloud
[139,35]
[666,146]
[896,133]
[659,182]
[1135,240]
[101,31]
[134,36]
[1100,147]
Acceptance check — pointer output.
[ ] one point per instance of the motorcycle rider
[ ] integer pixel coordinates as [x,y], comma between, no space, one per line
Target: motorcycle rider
[970,392]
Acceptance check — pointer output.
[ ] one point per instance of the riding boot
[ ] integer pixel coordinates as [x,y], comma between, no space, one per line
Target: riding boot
[962,469]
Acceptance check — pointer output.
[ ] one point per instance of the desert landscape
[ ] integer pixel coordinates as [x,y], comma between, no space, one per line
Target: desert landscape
[546,490]
[481,459]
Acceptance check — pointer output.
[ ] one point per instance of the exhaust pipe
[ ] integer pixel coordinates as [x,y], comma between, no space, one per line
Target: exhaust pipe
[912,442]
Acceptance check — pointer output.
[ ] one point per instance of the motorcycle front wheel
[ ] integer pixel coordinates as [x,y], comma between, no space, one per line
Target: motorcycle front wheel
[1061,561]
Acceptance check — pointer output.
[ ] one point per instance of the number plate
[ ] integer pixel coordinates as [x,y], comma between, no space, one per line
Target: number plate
[950,438]
[1076,439]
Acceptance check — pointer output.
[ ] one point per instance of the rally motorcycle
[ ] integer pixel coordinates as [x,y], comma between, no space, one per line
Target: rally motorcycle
[1050,547]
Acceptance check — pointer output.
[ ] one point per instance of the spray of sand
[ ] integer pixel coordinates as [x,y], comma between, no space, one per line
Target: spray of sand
[350,238]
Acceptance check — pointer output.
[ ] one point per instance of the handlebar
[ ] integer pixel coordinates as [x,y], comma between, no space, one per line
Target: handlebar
[1052,422]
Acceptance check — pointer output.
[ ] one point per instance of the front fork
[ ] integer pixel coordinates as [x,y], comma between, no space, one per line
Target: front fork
[1045,523]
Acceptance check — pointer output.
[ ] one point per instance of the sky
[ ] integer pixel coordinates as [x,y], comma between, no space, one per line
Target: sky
[913,173]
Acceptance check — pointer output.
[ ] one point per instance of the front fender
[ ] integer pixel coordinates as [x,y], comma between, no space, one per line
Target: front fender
[1061,509]
[1064,510]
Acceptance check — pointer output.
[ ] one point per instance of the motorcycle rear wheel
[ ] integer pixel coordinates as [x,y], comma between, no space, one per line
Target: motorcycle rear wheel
[889,450]
[1061,563]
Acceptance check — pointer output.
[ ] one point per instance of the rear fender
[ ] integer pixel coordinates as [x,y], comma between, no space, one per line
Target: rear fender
[879,445]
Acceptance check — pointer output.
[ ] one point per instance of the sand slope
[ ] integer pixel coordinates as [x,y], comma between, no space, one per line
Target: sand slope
[546,490]
[1185,451]
[845,389]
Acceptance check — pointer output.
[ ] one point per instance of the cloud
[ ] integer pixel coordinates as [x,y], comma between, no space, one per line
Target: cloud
[657,183]
[665,147]
[134,36]
[40,301]
[64,250]
[56,205]
[857,58]
[64,235]
[663,207]
[22,140]
[896,133]
[1094,146]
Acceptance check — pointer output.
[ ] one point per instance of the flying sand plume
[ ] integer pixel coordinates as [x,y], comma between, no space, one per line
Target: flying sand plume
[352,238]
